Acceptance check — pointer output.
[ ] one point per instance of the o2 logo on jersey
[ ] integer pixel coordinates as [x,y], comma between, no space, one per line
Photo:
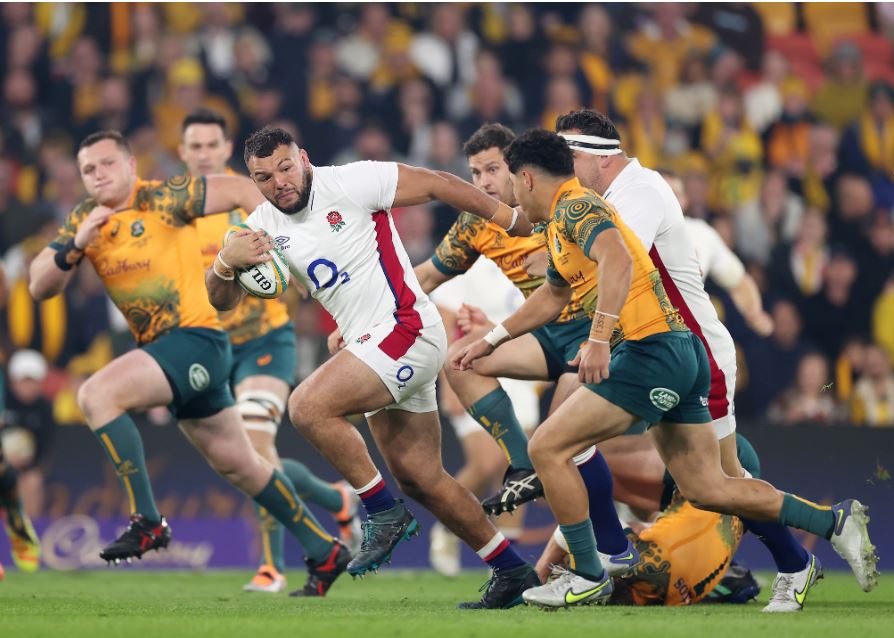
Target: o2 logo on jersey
[324,274]
[404,374]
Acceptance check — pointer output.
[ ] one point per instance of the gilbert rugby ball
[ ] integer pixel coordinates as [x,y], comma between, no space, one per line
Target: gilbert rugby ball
[267,280]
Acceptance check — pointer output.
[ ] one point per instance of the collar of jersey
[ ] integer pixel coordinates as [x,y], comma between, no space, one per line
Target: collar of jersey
[565,186]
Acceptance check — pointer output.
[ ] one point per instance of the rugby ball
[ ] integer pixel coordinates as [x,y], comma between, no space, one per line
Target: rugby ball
[268,280]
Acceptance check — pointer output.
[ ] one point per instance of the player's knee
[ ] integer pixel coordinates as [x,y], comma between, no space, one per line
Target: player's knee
[90,398]
[304,409]
[540,451]
[704,497]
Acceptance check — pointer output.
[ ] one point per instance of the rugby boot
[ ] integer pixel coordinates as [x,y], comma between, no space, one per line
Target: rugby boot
[504,588]
[790,590]
[519,487]
[381,534]
[140,537]
[321,575]
[850,540]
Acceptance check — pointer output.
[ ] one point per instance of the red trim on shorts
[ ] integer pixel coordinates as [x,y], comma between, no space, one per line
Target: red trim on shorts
[718,405]
[409,323]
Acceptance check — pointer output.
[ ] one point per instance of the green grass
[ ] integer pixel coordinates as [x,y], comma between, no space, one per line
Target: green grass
[131,603]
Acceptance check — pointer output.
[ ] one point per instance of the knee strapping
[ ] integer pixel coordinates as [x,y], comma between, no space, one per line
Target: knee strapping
[261,410]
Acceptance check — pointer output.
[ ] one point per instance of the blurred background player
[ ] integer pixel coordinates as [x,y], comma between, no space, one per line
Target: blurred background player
[22,537]
[264,360]
[140,238]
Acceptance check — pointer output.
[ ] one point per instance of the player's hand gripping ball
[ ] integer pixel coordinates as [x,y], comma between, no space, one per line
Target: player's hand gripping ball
[268,279]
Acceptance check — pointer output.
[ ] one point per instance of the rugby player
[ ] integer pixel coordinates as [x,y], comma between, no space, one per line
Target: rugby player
[24,542]
[647,204]
[264,353]
[340,242]
[140,237]
[543,355]
[686,552]
[658,372]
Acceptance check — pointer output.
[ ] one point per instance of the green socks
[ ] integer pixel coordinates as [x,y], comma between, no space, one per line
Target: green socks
[311,488]
[122,443]
[279,498]
[272,538]
[582,549]
[494,412]
[813,518]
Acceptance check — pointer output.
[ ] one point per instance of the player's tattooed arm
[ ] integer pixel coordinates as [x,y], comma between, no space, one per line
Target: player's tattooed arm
[223,193]
[420,185]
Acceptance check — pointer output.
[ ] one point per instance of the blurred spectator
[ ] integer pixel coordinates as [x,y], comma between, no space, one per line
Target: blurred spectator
[601,53]
[446,52]
[445,152]
[883,318]
[664,40]
[646,132]
[763,101]
[842,96]
[773,362]
[63,189]
[360,52]
[695,96]
[415,225]
[810,399]
[822,167]
[17,221]
[788,140]
[24,122]
[797,268]
[412,122]
[771,220]
[697,187]
[835,312]
[79,95]
[29,427]
[523,52]
[867,146]
[873,402]
[370,143]
[115,112]
[738,26]
[735,152]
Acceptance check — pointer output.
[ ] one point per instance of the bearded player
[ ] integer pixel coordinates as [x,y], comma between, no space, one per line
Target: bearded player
[264,352]
[340,242]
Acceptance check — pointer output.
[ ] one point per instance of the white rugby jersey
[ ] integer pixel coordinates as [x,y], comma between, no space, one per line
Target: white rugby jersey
[649,207]
[344,249]
[715,258]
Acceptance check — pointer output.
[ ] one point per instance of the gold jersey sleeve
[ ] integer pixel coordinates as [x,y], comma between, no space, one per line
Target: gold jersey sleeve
[148,257]
[471,236]
[579,215]
[254,317]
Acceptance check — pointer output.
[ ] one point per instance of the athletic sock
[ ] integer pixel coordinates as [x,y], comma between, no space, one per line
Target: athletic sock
[610,537]
[279,498]
[122,443]
[376,496]
[582,550]
[495,414]
[788,554]
[803,514]
[499,553]
[272,539]
[310,488]
[11,502]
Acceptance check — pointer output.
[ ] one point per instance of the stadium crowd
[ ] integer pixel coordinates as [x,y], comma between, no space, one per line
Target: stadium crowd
[778,117]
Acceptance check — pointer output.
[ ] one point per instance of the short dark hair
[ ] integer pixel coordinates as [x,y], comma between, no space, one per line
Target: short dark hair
[588,122]
[542,149]
[262,143]
[99,136]
[488,136]
[204,115]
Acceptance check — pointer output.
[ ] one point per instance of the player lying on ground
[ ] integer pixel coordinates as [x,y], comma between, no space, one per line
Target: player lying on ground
[658,372]
[264,354]
[686,553]
[141,239]
[543,355]
[333,224]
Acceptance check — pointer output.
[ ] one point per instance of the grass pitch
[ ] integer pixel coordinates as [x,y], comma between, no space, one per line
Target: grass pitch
[133,603]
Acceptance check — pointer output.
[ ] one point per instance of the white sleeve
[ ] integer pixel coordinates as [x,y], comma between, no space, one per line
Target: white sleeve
[642,209]
[370,185]
[725,269]
[257,219]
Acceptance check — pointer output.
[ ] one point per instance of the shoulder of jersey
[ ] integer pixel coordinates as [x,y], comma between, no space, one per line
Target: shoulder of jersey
[267,280]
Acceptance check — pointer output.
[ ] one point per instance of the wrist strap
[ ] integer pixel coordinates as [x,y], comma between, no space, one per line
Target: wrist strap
[591,339]
[514,219]
[68,256]
[496,336]
[228,273]
[223,263]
